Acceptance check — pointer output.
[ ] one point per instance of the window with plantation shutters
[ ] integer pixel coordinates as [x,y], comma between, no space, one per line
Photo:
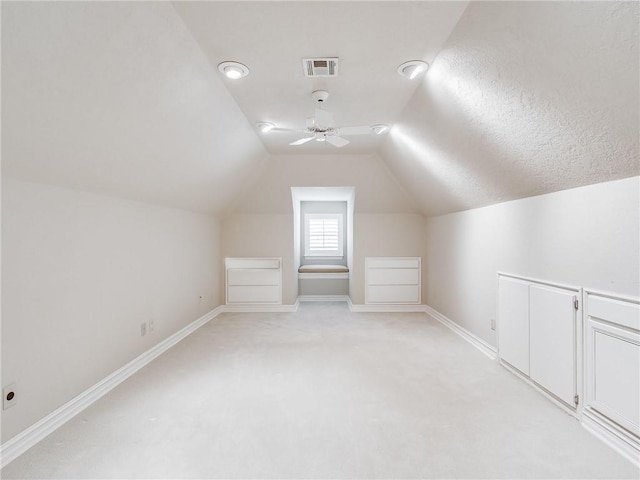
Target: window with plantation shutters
[323,235]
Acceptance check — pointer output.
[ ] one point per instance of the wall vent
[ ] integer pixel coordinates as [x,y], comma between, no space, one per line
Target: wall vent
[320,67]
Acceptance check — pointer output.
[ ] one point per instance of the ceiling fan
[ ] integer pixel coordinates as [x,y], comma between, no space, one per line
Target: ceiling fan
[321,128]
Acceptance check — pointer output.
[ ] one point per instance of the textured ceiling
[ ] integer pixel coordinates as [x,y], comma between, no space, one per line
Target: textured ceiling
[123,98]
[525,98]
[370,38]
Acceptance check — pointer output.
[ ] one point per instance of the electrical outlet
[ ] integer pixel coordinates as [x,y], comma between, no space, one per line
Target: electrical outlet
[493,324]
[152,325]
[143,329]
[9,396]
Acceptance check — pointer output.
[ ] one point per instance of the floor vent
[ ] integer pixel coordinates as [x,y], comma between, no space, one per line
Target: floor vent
[320,67]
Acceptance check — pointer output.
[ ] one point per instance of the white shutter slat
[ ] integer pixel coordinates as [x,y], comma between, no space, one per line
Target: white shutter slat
[324,235]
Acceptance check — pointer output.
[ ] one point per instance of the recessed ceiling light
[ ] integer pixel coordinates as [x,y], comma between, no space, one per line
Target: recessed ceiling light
[233,70]
[413,68]
[379,129]
[265,127]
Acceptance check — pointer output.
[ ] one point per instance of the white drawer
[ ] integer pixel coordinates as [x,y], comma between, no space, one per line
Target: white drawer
[615,311]
[251,276]
[393,294]
[253,294]
[392,262]
[258,262]
[393,276]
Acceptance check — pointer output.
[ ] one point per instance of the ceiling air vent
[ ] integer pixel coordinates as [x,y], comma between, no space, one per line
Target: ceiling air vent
[320,67]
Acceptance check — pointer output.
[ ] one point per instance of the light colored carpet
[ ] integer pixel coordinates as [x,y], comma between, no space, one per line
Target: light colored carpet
[322,393]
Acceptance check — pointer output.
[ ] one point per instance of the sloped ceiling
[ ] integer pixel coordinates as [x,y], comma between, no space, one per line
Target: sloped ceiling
[124,98]
[525,98]
[118,98]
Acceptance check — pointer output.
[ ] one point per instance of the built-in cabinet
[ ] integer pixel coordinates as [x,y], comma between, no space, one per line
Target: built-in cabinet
[612,369]
[538,334]
[580,347]
[392,280]
[253,280]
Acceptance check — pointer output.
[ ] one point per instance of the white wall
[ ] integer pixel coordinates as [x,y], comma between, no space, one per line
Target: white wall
[262,235]
[587,236]
[377,190]
[249,235]
[80,273]
[262,222]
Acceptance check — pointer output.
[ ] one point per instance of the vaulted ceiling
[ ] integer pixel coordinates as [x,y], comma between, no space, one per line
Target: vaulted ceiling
[370,39]
[124,98]
[525,98]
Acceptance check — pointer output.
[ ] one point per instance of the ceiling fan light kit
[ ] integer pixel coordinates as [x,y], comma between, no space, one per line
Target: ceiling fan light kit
[320,127]
[233,70]
[412,68]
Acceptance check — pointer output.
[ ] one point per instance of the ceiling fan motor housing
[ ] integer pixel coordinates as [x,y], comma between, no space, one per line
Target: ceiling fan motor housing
[320,127]
[320,96]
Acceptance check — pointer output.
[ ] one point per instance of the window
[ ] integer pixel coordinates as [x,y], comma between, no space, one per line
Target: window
[323,235]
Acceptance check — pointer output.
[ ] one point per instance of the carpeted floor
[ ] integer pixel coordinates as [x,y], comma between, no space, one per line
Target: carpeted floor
[322,393]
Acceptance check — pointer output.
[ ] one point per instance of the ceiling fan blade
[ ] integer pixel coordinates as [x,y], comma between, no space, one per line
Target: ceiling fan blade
[282,129]
[301,141]
[323,118]
[359,130]
[337,141]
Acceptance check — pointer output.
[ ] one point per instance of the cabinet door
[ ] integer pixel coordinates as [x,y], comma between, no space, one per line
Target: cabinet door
[513,323]
[552,327]
[612,351]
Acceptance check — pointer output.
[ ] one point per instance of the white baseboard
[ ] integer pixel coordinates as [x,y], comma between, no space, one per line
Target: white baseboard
[489,350]
[623,442]
[323,298]
[261,308]
[388,308]
[16,446]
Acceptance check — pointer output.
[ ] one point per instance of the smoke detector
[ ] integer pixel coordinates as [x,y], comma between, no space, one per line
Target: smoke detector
[320,67]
